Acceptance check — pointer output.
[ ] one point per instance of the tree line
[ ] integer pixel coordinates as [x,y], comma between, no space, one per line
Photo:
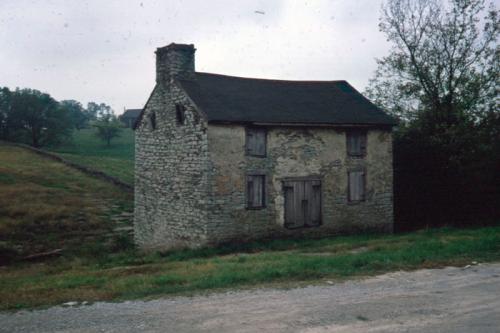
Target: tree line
[441,80]
[33,117]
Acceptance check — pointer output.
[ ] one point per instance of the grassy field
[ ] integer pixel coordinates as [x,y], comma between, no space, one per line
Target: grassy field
[116,160]
[129,275]
[45,205]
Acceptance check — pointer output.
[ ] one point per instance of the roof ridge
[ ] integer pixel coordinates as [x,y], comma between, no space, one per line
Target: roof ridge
[272,80]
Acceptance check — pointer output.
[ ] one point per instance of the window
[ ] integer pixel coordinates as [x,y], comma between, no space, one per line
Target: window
[256,141]
[256,191]
[180,114]
[152,121]
[356,187]
[356,143]
[302,203]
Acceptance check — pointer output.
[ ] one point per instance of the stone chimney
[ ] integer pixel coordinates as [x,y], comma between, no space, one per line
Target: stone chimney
[175,61]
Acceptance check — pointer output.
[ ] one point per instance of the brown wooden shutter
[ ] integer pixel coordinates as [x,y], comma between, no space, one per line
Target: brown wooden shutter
[350,143]
[356,186]
[256,191]
[250,202]
[362,143]
[362,186]
[256,141]
[356,143]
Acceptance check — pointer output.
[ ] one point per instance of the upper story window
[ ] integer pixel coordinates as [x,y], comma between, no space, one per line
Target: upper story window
[180,114]
[356,143]
[152,121]
[256,141]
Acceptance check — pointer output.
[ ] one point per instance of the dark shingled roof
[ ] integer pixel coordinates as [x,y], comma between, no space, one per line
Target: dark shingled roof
[131,113]
[234,99]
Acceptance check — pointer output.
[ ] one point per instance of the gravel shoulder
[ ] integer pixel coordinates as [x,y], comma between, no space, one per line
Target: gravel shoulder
[438,300]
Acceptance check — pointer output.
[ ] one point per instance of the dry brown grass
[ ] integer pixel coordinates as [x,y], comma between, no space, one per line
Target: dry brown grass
[46,205]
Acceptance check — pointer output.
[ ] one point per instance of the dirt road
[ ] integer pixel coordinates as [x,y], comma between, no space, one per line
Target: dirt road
[441,300]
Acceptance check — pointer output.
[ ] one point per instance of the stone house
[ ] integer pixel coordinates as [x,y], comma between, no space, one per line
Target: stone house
[129,117]
[222,158]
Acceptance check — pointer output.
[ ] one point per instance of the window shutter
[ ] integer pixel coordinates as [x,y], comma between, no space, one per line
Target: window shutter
[256,191]
[350,144]
[250,190]
[362,144]
[256,141]
[356,143]
[362,186]
[249,143]
[356,186]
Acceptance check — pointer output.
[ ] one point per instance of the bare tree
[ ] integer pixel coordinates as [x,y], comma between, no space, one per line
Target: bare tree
[444,60]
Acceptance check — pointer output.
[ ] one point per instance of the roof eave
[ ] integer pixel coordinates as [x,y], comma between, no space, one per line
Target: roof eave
[301,124]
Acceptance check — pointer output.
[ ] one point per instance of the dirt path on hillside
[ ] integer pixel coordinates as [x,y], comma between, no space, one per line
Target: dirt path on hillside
[444,300]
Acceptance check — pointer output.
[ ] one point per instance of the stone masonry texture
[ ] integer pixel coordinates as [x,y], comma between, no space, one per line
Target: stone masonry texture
[190,177]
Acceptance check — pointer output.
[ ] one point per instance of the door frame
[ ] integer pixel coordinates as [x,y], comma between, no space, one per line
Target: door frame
[304,179]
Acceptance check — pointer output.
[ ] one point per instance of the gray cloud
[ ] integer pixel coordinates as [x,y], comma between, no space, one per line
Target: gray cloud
[104,50]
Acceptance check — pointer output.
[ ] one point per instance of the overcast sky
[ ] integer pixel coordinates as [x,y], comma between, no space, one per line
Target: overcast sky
[103,51]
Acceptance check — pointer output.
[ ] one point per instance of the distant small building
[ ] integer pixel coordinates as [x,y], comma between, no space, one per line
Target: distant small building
[221,158]
[130,116]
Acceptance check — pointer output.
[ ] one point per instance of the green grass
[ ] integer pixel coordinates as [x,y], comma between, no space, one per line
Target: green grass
[45,205]
[116,160]
[129,274]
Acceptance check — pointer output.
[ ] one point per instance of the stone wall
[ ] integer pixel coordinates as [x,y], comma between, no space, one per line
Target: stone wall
[296,152]
[190,178]
[170,174]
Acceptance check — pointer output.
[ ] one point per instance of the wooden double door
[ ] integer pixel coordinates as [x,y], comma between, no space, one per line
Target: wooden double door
[302,203]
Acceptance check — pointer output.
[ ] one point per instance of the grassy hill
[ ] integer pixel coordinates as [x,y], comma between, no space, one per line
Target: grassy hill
[116,160]
[45,205]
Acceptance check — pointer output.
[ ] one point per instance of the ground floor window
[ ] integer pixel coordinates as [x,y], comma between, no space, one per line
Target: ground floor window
[356,186]
[256,191]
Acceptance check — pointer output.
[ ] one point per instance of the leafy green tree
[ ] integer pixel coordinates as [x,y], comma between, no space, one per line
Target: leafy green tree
[444,62]
[5,109]
[38,118]
[441,80]
[108,127]
[76,113]
[95,111]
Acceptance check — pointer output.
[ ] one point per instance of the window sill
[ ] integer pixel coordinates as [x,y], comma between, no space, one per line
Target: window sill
[255,208]
[258,156]
[357,202]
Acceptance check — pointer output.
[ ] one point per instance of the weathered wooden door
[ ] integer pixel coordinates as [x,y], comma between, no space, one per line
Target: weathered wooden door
[302,203]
